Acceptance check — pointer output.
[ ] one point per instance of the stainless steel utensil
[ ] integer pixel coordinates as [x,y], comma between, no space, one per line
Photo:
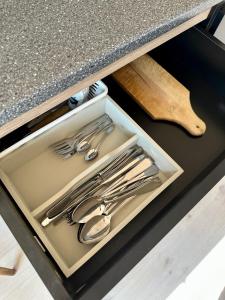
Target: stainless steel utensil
[67,145]
[60,208]
[103,178]
[99,226]
[151,171]
[141,186]
[84,144]
[75,195]
[66,204]
[93,153]
[107,186]
[97,205]
[83,141]
[142,166]
[87,209]
[119,162]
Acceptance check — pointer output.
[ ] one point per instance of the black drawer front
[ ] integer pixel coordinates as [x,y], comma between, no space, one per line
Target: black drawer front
[199,63]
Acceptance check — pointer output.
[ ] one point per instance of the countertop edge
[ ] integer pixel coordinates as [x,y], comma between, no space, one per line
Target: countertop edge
[21,106]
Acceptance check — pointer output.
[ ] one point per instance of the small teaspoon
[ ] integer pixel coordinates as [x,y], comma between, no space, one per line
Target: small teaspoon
[85,144]
[93,153]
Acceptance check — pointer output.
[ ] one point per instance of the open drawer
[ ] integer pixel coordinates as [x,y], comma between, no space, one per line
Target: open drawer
[199,64]
[36,177]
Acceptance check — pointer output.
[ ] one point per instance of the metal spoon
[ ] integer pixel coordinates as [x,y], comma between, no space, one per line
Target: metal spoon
[85,144]
[88,209]
[97,205]
[68,145]
[92,153]
[69,201]
[99,226]
[105,185]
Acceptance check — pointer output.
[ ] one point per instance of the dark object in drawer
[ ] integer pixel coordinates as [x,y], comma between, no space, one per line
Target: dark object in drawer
[199,63]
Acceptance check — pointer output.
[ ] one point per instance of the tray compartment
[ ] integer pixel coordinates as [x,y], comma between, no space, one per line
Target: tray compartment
[99,274]
[83,176]
[40,169]
[31,153]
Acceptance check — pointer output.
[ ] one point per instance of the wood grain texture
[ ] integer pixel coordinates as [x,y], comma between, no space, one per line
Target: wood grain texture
[188,263]
[7,271]
[52,102]
[159,93]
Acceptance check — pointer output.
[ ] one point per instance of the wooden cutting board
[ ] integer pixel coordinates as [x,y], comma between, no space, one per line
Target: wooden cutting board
[159,93]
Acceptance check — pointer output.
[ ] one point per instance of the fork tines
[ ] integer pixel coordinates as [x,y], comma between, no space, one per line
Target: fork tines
[67,147]
[93,90]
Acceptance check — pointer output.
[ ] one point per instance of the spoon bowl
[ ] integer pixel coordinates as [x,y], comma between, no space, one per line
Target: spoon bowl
[93,153]
[95,229]
[87,209]
[83,146]
[99,226]
[96,206]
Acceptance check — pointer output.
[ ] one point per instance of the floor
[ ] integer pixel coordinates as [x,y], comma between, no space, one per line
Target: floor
[187,264]
[25,284]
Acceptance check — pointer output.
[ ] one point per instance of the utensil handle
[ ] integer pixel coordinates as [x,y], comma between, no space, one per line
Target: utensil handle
[104,136]
[153,170]
[45,222]
[115,164]
[90,137]
[120,205]
[92,126]
[66,200]
[155,183]
[122,186]
[123,170]
[107,172]
[57,211]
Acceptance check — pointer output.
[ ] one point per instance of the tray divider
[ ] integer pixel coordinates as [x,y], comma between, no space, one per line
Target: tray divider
[82,177]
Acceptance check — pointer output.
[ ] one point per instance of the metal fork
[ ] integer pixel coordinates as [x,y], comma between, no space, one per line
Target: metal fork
[66,151]
[92,90]
[67,203]
[67,146]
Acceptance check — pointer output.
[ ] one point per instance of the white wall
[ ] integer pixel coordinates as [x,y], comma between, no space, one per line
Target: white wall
[220,32]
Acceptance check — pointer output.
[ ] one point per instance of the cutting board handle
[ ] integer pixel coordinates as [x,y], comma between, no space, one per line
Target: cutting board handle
[159,93]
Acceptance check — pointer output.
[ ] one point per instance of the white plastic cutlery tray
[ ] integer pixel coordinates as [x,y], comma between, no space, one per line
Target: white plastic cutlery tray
[36,177]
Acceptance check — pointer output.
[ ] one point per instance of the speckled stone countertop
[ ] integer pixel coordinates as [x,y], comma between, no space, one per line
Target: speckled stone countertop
[47,46]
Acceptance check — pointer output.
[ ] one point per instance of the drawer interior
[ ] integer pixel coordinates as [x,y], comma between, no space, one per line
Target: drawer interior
[194,67]
[36,177]
[27,175]
[199,64]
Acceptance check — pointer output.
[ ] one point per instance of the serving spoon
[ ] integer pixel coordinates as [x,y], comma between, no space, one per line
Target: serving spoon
[88,209]
[96,206]
[99,226]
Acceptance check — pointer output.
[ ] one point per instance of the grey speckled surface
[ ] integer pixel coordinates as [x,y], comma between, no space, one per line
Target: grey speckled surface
[47,46]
